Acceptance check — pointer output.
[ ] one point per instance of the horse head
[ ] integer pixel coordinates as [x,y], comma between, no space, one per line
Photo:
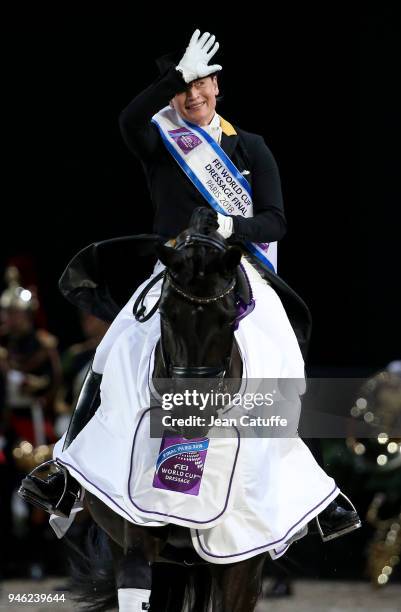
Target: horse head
[198,310]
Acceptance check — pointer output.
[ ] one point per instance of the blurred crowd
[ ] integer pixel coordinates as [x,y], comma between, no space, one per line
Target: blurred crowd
[39,384]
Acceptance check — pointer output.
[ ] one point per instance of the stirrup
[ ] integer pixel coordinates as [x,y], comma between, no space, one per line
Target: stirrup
[67,499]
[341,532]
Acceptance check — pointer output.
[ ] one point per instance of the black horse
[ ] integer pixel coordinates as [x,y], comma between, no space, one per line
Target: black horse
[202,289]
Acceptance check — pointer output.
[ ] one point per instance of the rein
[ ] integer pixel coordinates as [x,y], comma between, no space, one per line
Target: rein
[139,308]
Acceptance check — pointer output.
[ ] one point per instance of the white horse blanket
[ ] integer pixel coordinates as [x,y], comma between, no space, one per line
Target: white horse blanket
[239,496]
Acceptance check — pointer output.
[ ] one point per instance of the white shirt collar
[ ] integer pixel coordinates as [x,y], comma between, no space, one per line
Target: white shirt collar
[213,129]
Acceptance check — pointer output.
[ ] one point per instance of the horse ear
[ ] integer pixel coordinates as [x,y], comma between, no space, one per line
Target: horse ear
[172,259]
[230,259]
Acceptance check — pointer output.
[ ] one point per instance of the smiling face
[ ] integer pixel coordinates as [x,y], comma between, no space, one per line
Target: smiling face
[197,103]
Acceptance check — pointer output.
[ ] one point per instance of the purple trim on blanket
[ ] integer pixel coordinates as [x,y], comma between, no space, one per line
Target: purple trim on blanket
[99,489]
[248,281]
[269,543]
[243,310]
[181,518]
[148,376]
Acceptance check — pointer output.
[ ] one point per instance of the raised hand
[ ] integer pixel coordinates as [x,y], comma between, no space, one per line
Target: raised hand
[194,63]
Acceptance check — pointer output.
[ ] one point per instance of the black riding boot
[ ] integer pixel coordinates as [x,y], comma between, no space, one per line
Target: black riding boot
[335,520]
[57,493]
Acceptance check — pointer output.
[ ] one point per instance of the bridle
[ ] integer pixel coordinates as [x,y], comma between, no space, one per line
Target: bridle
[195,299]
[195,371]
[172,371]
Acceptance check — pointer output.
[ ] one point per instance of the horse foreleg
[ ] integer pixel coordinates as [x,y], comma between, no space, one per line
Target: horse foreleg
[238,585]
[133,549]
[133,577]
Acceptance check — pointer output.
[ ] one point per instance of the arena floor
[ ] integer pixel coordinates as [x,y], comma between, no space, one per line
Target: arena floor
[309,596]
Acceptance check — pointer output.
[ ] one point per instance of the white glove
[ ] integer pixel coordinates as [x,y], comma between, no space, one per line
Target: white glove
[194,63]
[225,228]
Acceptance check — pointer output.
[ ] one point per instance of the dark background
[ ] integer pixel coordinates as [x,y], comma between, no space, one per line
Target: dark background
[321,86]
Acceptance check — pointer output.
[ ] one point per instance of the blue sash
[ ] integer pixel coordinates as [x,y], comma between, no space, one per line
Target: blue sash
[213,174]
